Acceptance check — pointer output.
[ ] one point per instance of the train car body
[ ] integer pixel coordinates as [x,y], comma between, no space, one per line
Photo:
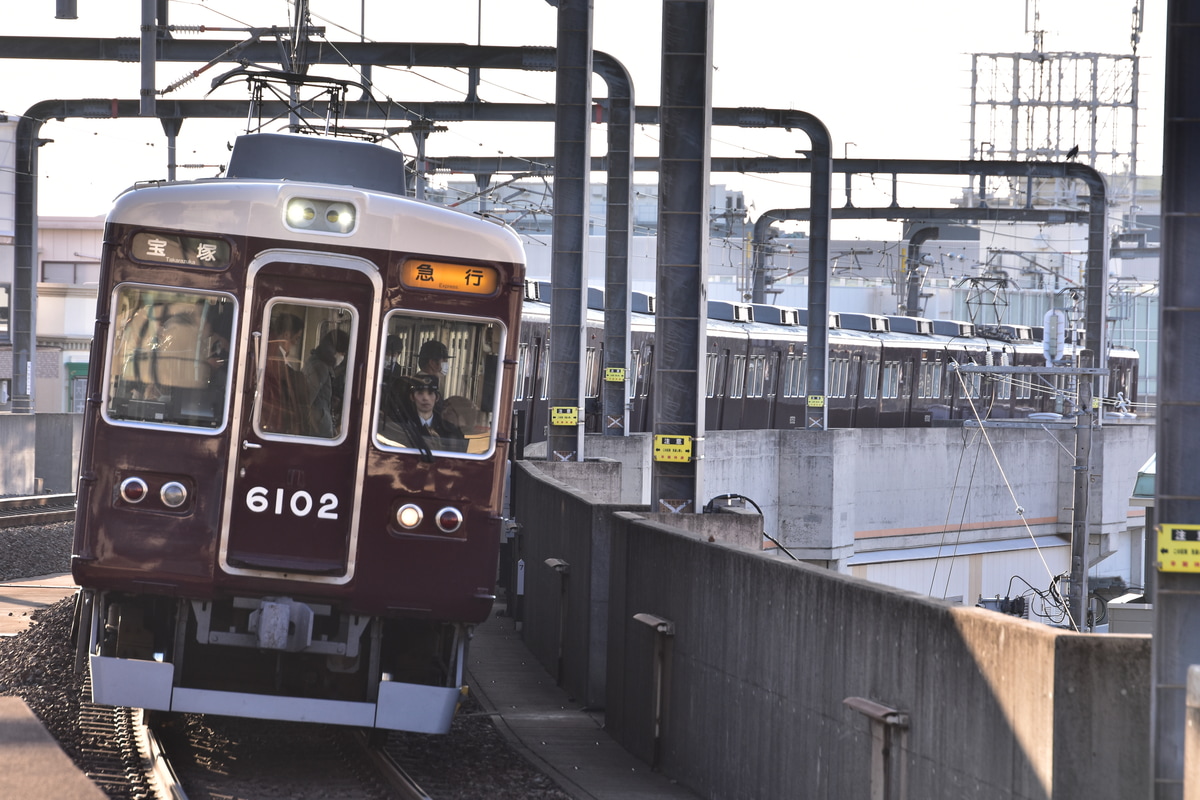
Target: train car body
[264,526]
[881,371]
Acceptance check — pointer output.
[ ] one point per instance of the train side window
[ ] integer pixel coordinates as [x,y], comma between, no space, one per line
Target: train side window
[1004,382]
[522,389]
[446,396]
[710,374]
[737,377]
[757,376]
[169,361]
[870,380]
[592,374]
[838,378]
[543,378]
[891,379]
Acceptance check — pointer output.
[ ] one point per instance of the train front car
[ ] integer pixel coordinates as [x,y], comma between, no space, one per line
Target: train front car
[291,479]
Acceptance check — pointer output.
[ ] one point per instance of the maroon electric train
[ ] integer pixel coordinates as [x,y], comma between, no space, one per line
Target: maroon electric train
[289,503]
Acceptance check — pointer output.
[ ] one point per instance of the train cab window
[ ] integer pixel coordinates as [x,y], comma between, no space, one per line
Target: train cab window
[443,391]
[169,359]
[305,352]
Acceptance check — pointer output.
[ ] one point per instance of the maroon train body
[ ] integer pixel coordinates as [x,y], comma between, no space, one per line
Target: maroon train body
[266,526]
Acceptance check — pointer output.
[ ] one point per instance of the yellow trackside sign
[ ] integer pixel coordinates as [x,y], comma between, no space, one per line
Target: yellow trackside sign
[1178,548]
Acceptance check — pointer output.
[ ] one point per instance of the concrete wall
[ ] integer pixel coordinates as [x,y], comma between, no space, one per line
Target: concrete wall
[18,435]
[57,458]
[827,495]
[765,652]
[44,446]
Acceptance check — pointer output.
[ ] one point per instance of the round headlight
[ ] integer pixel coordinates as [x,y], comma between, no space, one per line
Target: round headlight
[340,217]
[409,516]
[133,490]
[449,519]
[173,494]
[301,213]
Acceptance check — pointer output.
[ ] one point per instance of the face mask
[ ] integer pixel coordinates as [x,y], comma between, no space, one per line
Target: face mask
[338,359]
[445,367]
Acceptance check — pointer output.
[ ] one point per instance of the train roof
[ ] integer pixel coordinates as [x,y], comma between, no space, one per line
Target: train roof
[255,207]
[308,159]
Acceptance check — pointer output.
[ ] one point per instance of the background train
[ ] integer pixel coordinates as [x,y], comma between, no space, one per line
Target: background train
[882,371]
[264,526]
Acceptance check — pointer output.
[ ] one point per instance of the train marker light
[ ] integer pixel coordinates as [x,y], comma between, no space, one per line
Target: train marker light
[449,519]
[133,490]
[409,516]
[173,494]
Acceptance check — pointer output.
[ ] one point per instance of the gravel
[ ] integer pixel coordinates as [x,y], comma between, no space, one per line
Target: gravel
[38,666]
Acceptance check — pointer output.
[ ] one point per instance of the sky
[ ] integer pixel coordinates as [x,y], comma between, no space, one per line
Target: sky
[888,79]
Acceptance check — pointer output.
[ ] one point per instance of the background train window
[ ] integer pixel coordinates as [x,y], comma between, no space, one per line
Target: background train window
[793,376]
[870,380]
[838,378]
[309,351]
[440,391]
[592,373]
[169,357]
[756,376]
[737,376]
[931,380]
[522,389]
[890,386]
[1004,382]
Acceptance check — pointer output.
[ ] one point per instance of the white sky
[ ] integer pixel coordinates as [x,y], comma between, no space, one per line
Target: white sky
[889,79]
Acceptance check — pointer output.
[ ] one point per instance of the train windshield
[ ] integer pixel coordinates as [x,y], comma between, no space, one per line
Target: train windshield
[169,361]
[439,385]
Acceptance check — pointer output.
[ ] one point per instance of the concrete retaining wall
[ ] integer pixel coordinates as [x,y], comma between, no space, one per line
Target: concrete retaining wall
[765,652]
[44,446]
[57,460]
[18,436]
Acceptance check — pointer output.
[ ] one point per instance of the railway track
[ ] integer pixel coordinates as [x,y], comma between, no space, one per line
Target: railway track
[41,509]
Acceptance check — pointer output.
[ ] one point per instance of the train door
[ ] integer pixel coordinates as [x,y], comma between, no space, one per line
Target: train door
[295,464]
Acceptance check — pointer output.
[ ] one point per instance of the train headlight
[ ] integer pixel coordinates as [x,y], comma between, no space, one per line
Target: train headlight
[340,217]
[449,519]
[301,213]
[173,494]
[409,516]
[305,213]
[133,490]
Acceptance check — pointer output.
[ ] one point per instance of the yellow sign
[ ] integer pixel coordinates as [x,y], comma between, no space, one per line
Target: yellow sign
[816,401]
[443,277]
[564,415]
[1179,548]
[672,448]
[614,374]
